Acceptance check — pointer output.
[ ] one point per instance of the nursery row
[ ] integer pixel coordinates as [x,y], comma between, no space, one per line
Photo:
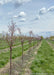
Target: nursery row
[16,52]
[4,44]
[51,41]
[43,64]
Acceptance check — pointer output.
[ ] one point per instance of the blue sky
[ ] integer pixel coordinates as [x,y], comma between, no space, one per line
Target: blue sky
[35,15]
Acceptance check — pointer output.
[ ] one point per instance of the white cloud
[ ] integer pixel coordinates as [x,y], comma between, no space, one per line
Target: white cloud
[37,17]
[17,2]
[15,16]
[10,13]
[51,8]
[42,10]
[22,14]
[1,2]
[25,30]
[23,20]
[22,1]
[5,1]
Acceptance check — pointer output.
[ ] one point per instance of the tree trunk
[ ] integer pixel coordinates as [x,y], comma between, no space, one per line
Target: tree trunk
[22,52]
[10,60]
[33,44]
[29,46]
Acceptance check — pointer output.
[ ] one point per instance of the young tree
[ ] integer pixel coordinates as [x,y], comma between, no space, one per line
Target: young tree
[3,35]
[22,42]
[30,39]
[10,40]
[33,38]
[30,33]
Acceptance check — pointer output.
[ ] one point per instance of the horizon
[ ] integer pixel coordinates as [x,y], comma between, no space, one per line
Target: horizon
[44,34]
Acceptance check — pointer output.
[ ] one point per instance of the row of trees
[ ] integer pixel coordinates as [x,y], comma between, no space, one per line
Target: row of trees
[10,38]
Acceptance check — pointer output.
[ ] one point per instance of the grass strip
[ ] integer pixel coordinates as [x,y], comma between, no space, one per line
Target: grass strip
[43,64]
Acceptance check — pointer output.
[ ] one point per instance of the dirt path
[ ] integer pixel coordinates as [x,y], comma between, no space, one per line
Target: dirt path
[17,63]
[7,49]
[27,69]
[51,45]
[8,64]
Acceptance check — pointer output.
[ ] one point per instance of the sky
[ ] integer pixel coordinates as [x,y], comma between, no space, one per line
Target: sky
[35,15]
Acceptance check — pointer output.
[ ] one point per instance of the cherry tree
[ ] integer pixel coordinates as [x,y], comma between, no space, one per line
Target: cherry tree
[22,41]
[10,40]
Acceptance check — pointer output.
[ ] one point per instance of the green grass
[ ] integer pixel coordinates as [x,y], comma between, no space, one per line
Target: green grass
[51,41]
[44,60]
[4,44]
[16,52]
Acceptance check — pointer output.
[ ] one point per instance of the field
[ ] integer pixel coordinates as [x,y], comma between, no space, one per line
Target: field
[26,37]
[38,58]
[4,45]
[16,52]
[44,60]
